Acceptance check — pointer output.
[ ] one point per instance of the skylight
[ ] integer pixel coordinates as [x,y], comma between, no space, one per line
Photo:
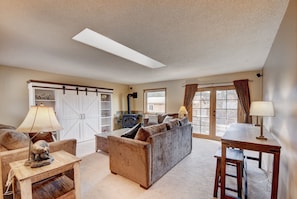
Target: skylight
[94,39]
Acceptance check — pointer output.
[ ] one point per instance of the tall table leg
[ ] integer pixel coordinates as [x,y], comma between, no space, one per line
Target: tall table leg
[223,170]
[275,175]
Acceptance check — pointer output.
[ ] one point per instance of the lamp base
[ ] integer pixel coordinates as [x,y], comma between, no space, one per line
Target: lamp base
[261,137]
[27,163]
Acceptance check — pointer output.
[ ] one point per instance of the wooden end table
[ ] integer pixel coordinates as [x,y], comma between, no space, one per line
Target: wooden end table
[26,175]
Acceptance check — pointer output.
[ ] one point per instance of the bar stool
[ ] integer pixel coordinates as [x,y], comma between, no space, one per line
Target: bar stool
[234,157]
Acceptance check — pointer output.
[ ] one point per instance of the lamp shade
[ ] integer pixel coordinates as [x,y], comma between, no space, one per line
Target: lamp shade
[182,112]
[40,119]
[262,108]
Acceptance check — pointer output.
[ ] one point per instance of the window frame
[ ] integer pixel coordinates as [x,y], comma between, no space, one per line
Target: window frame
[145,91]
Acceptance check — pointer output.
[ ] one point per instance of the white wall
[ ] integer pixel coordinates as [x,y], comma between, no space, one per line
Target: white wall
[280,86]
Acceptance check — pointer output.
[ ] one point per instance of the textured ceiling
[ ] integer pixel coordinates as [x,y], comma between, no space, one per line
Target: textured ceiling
[193,38]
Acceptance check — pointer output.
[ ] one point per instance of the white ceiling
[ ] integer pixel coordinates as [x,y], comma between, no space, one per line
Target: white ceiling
[193,38]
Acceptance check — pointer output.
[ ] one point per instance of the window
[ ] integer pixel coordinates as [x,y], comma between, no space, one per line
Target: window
[155,101]
[214,109]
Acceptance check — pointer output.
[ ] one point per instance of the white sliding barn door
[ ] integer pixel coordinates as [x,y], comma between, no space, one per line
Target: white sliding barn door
[91,115]
[78,114]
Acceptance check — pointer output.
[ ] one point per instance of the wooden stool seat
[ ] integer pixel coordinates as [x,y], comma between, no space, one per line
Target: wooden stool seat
[235,158]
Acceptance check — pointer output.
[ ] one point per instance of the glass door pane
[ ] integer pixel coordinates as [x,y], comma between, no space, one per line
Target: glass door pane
[201,113]
[226,110]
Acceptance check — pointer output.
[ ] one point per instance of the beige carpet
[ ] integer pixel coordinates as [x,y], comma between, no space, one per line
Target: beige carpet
[193,178]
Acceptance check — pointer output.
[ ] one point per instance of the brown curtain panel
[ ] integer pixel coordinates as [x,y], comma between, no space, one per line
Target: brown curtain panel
[190,91]
[243,93]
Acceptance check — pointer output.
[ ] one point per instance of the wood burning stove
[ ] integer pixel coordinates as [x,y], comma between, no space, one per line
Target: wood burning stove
[129,120]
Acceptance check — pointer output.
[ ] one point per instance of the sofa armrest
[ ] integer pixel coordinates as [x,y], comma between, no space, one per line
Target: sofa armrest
[130,158]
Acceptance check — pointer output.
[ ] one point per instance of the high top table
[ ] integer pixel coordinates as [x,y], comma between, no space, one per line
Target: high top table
[243,136]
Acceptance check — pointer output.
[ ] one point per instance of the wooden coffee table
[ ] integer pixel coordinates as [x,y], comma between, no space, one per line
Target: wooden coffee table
[101,139]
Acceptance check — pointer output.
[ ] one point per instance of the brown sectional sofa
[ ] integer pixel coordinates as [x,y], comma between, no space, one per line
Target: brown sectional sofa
[145,162]
[21,152]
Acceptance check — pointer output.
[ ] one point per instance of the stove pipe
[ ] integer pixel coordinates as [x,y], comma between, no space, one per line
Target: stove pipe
[134,95]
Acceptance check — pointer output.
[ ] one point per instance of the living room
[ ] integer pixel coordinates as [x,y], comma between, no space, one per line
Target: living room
[278,84]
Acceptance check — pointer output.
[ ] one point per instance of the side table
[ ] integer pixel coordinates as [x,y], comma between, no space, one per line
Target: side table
[26,176]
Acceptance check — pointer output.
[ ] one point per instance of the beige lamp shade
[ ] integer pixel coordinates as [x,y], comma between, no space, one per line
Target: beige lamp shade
[262,108]
[40,119]
[182,112]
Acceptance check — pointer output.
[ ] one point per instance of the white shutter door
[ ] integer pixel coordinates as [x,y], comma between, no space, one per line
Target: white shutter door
[91,115]
[69,114]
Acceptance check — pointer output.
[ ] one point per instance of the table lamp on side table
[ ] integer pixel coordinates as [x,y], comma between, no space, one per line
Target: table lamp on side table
[261,108]
[39,119]
[182,112]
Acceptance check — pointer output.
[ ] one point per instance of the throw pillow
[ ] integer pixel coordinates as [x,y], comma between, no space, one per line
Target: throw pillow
[153,119]
[167,119]
[132,132]
[145,132]
[142,134]
[11,139]
[161,118]
[184,121]
[47,136]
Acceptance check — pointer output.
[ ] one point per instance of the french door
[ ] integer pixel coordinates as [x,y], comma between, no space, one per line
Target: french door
[213,110]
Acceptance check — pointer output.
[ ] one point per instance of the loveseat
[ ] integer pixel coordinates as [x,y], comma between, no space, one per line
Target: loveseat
[16,148]
[152,153]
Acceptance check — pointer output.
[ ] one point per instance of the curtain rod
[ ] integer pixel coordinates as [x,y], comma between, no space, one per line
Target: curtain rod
[218,84]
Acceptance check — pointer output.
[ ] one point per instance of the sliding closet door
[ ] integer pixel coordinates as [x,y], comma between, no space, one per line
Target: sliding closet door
[91,115]
[78,113]
[68,113]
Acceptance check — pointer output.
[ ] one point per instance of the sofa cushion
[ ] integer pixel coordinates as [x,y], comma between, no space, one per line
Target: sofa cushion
[11,139]
[145,132]
[172,124]
[2,148]
[132,132]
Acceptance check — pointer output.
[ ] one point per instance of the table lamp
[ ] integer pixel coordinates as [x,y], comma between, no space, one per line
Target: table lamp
[182,112]
[38,120]
[261,108]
